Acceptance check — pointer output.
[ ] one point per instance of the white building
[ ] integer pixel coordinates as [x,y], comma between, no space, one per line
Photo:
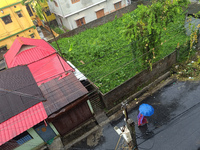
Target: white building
[74,13]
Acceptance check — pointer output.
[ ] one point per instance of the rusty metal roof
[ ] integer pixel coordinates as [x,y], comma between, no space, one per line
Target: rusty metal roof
[61,92]
[17,90]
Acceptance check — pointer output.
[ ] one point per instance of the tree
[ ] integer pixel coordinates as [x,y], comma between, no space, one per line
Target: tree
[147,23]
[37,6]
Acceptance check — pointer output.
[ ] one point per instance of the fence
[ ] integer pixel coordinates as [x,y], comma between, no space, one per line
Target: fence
[143,74]
[138,81]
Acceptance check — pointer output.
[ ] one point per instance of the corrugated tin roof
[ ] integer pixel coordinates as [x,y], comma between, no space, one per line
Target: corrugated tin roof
[30,55]
[193,8]
[49,68]
[17,79]
[43,61]
[21,122]
[60,93]
[191,25]
[39,44]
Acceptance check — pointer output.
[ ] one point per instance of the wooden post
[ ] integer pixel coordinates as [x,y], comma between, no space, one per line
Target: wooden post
[131,127]
[124,109]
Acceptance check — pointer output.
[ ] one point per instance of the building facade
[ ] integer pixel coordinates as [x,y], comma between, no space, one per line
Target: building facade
[67,104]
[22,121]
[48,15]
[75,13]
[15,22]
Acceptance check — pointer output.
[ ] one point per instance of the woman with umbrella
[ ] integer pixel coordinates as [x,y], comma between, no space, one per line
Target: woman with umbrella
[144,110]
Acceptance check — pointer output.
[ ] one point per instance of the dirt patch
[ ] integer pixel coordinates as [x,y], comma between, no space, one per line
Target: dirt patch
[189,70]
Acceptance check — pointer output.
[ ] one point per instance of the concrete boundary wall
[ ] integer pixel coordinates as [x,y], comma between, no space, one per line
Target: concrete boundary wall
[140,80]
[102,20]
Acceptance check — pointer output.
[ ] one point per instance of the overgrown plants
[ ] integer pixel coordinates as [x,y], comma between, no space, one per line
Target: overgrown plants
[116,51]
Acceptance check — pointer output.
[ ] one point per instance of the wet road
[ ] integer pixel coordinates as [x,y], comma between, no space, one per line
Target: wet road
[175,124]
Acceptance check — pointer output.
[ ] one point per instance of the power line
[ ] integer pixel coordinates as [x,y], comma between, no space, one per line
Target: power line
[90,84]
[132,60]
[66,71]
[113,71]
[129,44]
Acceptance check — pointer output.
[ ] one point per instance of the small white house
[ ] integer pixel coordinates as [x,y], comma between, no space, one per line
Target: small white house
[75,13]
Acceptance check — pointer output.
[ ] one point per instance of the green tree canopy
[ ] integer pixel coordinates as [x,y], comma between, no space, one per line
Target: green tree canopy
[147,23]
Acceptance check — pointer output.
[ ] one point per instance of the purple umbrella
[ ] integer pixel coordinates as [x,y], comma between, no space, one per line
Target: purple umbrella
[146,109]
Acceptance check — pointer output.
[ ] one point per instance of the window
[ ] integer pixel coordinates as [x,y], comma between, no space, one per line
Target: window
[19,14]
[29,10]
[55,3]
[100,13]
[75,1]
[3,48]
[118,5]
[48,13]
[23,138]
[32,35]
[6,19]
[80,22]
[32,8]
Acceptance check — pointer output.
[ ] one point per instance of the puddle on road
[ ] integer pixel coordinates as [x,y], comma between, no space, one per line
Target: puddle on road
[166,103]
[94,139]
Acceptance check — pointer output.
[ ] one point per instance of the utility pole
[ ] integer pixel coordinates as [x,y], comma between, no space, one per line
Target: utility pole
[59,51]
[131,127]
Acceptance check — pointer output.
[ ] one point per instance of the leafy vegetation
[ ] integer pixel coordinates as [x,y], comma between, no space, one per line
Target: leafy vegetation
[57,29]
[37,6]
[147,24]
[108,59]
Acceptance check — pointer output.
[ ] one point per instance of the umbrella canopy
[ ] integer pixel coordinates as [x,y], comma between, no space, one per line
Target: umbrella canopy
[146,109]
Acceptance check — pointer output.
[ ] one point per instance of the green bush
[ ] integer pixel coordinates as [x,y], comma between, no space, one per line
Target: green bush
[105,56]
[57,29]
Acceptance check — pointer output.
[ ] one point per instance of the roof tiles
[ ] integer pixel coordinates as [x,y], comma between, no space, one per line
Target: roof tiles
[61,92]
[42,59]
[21,122]
[18,79]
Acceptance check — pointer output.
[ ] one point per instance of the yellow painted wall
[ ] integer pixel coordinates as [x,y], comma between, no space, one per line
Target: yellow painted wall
[46,7]
[19,26]
[50,17]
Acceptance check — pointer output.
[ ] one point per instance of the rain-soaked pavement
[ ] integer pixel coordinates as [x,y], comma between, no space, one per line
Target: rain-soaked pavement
[175,124]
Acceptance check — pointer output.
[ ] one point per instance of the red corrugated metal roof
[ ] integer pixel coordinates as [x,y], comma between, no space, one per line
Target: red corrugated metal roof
[39,44]
[49,68]
[43,61]
[30,55]
[21,122]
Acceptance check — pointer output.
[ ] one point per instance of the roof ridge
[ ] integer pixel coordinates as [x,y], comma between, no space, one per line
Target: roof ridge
[20,40]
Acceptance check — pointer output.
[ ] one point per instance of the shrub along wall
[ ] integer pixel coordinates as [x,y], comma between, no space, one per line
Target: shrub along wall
[102,20]
[140,80]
